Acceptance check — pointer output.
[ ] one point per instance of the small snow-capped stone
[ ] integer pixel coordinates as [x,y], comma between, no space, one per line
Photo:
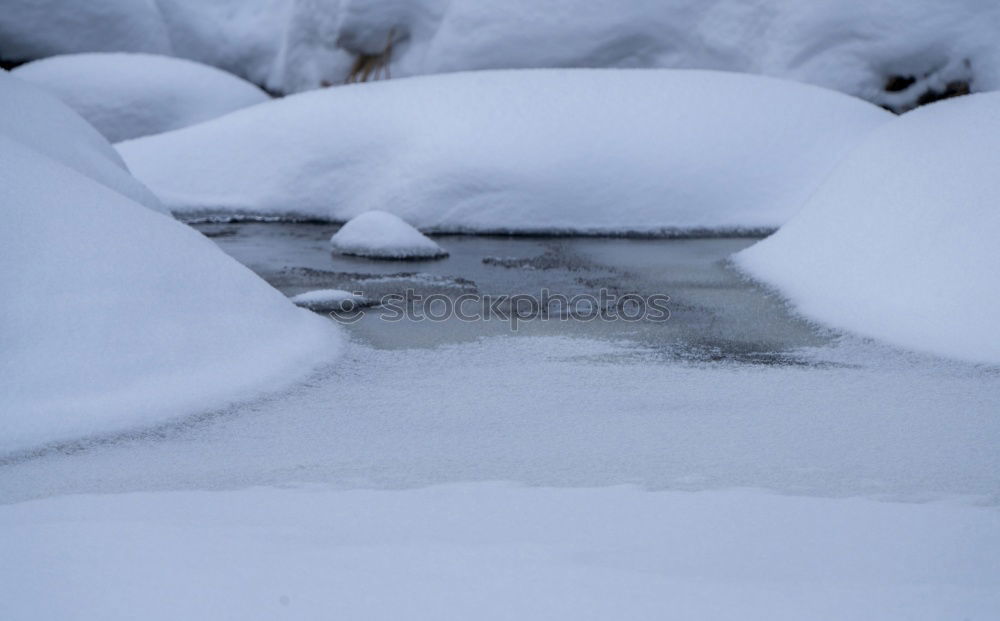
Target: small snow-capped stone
[381,235]
[330,300]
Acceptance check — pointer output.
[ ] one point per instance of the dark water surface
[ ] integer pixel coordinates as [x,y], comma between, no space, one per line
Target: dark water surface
[731,391]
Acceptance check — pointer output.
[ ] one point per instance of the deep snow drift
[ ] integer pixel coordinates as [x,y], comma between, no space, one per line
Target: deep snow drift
[130,95]
[381,235]
[114,316]
[492,552]
[42,122]
[560,150]
[901,243]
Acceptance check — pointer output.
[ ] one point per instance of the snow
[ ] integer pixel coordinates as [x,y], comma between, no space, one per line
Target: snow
[32,29]
[130,95]
[330,300]
[115,317]
[381,235]
[852,45]
[494,551]
[549,150]
[242,37]
[239,36]
[900,244]
[45,124]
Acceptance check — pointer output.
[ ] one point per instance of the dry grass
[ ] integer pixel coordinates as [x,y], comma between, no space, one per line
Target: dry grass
[372,66]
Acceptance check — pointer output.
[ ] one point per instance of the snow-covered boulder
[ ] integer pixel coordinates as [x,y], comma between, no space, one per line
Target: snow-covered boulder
[522,151]
[381,235]
[42,122]
[32,29]
[901,243]
[113,316]
[130,95]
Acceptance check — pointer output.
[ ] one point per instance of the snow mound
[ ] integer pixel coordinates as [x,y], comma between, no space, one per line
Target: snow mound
[330,300]
[115,317]
[130,95]
[42,122]
[900,243]
[381,235]
[519,151]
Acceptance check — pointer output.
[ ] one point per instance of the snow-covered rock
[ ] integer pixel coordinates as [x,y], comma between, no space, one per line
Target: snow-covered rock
[113,316]
[42,122]
[901,243]
[850,45]
[523,151]
[381,235]
[330,300]
[130,95]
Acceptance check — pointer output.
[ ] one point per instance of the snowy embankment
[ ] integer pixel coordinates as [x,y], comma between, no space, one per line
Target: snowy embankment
[114,316]
[893,52]
[481,551]
[131,95]
[551,150]
[854,46]
[902,243]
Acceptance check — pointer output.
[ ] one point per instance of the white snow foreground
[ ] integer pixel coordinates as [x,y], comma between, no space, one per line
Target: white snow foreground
[492,551]
[45,124]
[531,151]
[900,243]
[381,235]
[131,95]
[116,317]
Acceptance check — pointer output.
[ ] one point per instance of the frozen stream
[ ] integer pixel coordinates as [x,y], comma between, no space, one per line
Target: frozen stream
[732,391]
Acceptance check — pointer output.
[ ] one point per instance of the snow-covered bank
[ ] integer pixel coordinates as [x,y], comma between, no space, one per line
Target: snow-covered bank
[491,551]
[114,316]
[902,243]
[561,150]
[855,46]
[46,125]
[131,95]
[852,45]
